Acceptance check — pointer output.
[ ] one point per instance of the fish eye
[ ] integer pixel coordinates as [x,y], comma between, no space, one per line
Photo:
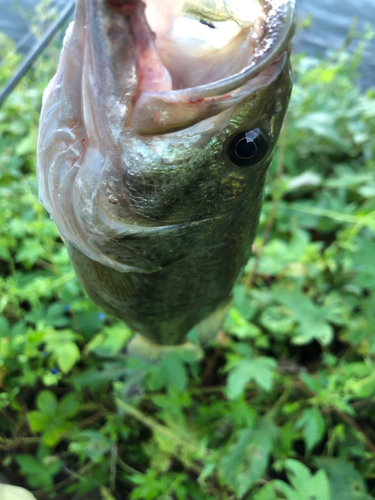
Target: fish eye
[248,148]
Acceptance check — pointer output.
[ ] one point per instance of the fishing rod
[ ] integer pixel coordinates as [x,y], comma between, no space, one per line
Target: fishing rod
[35,51]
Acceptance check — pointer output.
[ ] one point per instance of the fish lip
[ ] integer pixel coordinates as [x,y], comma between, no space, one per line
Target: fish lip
[193,108]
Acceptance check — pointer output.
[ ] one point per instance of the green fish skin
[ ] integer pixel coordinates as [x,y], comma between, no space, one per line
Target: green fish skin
[156,188]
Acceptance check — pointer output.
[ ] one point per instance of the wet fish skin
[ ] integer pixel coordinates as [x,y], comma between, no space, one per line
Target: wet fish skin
[158,226]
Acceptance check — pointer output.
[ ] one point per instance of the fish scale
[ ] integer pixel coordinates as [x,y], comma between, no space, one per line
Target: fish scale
[157,190]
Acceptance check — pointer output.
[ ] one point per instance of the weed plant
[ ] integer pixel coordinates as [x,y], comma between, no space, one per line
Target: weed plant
[282,406]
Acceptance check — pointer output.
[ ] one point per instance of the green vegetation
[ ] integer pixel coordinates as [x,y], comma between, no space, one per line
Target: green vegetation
[282,407]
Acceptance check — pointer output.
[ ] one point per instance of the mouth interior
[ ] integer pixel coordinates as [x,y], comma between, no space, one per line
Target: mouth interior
[202,41]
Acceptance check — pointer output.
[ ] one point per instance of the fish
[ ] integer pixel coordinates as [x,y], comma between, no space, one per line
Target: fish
[155,138]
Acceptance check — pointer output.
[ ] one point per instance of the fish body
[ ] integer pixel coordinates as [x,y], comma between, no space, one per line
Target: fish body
[152,167]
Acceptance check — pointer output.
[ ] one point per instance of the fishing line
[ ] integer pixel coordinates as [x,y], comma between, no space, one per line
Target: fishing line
[30,33]
[35,51]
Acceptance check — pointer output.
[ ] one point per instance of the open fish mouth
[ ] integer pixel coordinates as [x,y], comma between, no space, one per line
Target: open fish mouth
[201,42]
[196,51]
[213,44]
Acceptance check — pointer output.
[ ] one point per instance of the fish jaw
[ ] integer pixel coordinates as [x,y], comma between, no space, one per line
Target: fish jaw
[158,113]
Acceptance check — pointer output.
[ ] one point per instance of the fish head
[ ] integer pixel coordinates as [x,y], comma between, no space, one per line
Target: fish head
[161,115]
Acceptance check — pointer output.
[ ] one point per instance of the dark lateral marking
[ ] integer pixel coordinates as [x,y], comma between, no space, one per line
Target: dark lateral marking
[207,23]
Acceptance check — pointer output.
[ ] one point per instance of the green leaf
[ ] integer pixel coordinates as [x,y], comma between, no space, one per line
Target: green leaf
[300,476]
[176,371]
[90,444]
[69,405]
[362,262]
[169,371]
[237,325]
[67,356]
[62,347]
[345,482]
[38,420]
[364,388]
[285,489]
[94,377]
[47,402]
[309,316]
[322,124]
[246,460]
[157,377]
[242,302]
[39,473]
[110,341]
[27,145]
[30,252]
[52,419]
[266,493]
[4,327]
[304,485]
[313,426]
[260,370]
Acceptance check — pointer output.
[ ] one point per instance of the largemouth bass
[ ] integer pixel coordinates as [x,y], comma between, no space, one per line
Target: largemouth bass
[155,138]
